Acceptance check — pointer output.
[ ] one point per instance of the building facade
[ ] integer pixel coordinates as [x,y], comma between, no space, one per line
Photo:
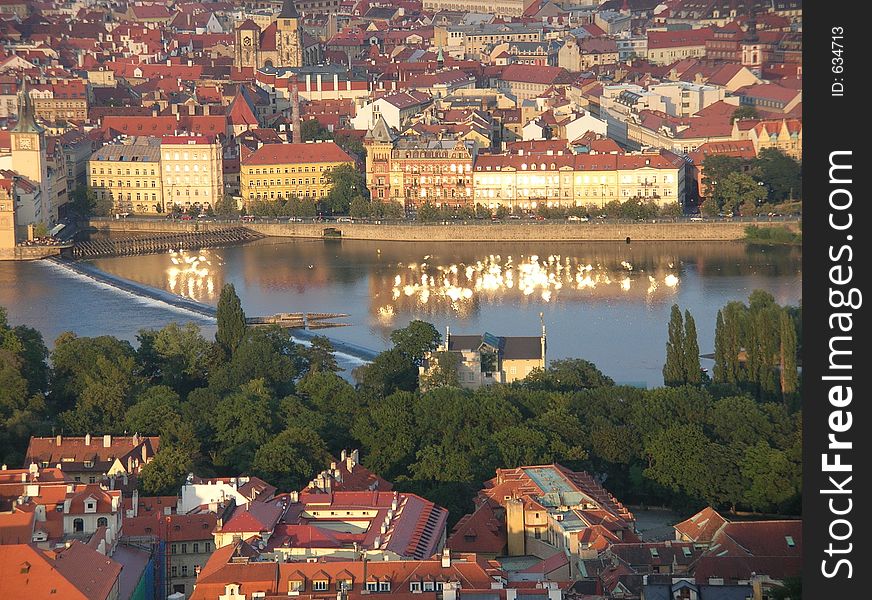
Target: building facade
[565,180]
[277,171]
[192,171]
[128,173]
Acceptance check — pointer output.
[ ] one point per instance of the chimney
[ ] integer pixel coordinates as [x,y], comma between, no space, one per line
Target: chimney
[135,502]
[446,558]
[107,440]
[58,439]
[87,439]
[342,455]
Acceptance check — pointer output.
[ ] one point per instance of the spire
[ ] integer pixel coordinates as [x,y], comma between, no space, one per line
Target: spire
[289,11]
[26,121]
[381,132]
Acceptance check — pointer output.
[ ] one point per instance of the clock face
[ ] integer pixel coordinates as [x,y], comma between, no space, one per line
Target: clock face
[24,143]
[247,41]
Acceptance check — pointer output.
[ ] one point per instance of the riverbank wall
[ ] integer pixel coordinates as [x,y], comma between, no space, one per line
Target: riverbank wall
[465,232]
[29,252]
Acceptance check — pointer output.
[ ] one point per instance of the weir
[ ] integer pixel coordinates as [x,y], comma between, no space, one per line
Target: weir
[204,310]
[164,242]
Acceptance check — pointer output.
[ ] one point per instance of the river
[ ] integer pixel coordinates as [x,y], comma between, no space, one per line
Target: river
[605,302]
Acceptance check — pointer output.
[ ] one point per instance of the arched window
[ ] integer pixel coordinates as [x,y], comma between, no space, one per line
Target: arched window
[78,525]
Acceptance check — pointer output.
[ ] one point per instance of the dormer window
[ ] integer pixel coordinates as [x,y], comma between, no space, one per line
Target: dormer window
[296,586]
[384,586]
[415,586]
[372,586]
[320,585]
[89,464]
[428,586]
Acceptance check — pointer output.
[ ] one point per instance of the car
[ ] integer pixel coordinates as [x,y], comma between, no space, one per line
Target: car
[345,220]
[186,218]
[696,218]
[295,219]
[202,216]
[577,219]
[514,216]
[248,218]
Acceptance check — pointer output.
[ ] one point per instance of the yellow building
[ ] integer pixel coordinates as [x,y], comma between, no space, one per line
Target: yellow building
[276,171]
[8,238]
[191,169]
[564,179]
[128,173]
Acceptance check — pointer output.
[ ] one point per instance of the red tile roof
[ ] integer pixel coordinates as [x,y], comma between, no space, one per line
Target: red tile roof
[276,154]
[674,39]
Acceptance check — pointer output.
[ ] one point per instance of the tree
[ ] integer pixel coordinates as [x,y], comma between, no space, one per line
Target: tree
[674,371]
[389,434]
[773,477]
[416,339]
[320,355]
[567,375]
[427,212]
[165,473]
[231,320]
[243,423]
[226,206]
[780,174]
[692,369]
[790,589]
[153,409]
[291,459]
[265,353]
[745,112]
[390,371]
[715,169]
[787,355]
[359,208]
[346,183]
[739,189]
[728,344]
[442,371]
[502,211]
[177,356]
[311,129]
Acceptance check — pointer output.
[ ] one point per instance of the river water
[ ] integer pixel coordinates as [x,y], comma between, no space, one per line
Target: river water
[606,302]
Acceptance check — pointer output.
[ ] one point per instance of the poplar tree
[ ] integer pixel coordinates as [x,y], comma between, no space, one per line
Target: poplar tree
[231,320]
[673,371]
[719,374]
[732,339]
[692,370]
[788,355]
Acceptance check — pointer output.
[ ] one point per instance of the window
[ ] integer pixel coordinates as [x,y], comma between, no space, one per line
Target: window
[184,570]
[384,586]
[428,586]
[196,548]
[102,522]
[790,542]
[319,585]
[175,571]
[372,586]
[415,586]
[184,548]
[296,586]
[172,548]
[78,525]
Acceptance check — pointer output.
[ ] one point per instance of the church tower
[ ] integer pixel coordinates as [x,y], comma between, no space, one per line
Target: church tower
[7,214]
[247,45]
[289,41]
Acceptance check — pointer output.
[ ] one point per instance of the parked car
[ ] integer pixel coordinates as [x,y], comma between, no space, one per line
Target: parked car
[345,220]
[186,218]
[696,218]
[577,219]
[248,218]
[514,216]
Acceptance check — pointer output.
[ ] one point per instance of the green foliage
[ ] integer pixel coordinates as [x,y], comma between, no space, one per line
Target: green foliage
[319,356]
[346,183]
[390,371]
[416,339]
[153,410]
[692,369]
[781,175]
[231,320]
[442,371]
[243,422]
[166,472]
[567,375]
[291,459]
[739,190]
[772,235]
[745,112]
[176,356]
[674,371]
[716,168]
[226,206]
[427,212]
[311,130]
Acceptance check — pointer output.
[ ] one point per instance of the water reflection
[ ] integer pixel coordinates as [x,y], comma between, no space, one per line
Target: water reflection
[191,274]
[459,288]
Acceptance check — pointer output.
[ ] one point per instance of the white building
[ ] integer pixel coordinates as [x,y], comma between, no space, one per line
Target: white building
[397,110]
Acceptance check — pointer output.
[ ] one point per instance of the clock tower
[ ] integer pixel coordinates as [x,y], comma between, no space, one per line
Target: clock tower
[289,41]
[28,148]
